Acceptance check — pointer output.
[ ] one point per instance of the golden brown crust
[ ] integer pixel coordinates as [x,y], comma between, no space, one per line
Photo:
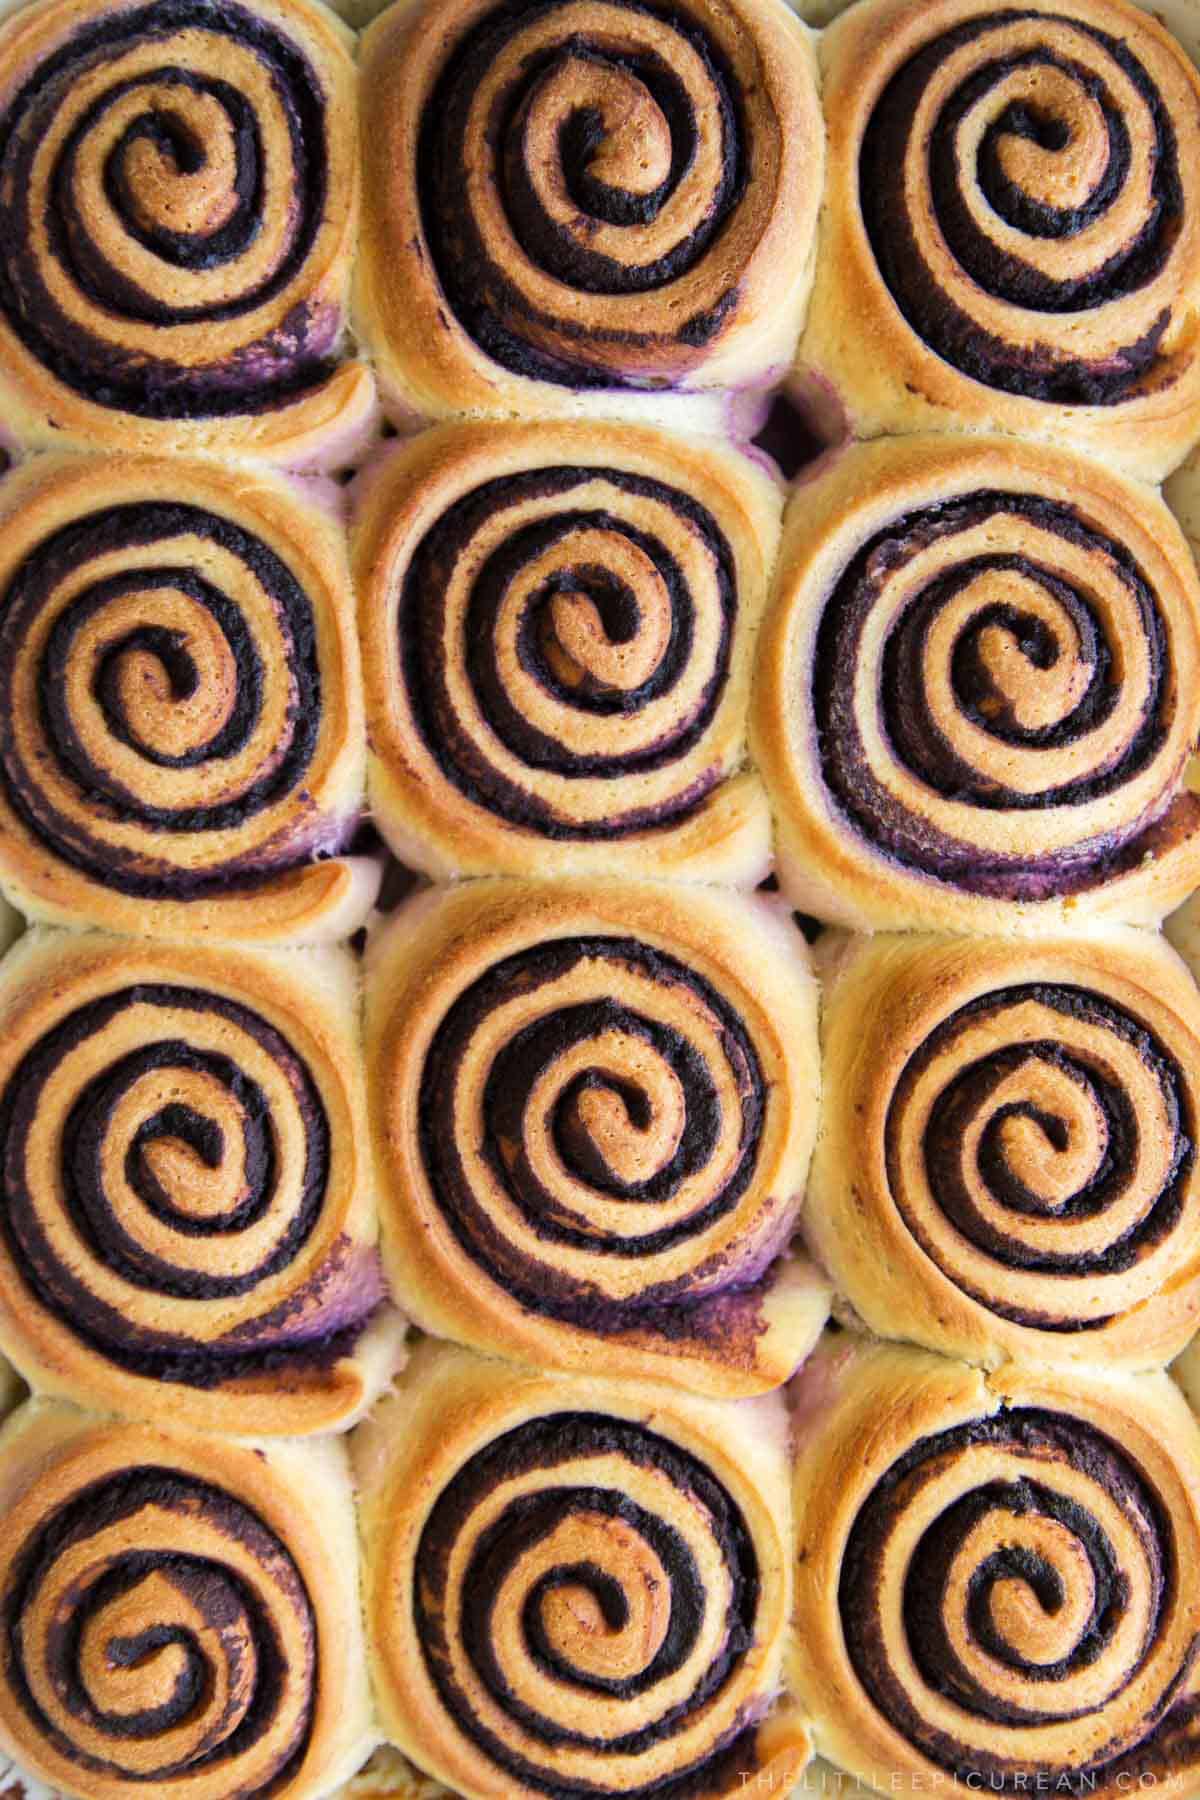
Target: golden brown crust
[1005,1165]
[514,1033]
[994,1575]
[183,726]
[231,1568]
[190,1220]
[512,287]
[928,311]
[1006,753]
[557,625]
[182,200]
[595,1495]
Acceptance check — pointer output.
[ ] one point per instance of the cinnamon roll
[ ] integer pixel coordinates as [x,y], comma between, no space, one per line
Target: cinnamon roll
[181,727]
[569,203]
[593,1107]
[996,1575]
[179,203]
[977,692]
[187,1226]
[576,1586]
[1011,231]
[180,1613]
[557,625]
[1006,1163]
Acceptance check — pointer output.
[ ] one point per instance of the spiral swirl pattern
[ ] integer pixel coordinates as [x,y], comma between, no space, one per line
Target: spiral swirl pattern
[1021,169]
[956,727]
[591,1132]
[1010,1595]
[601,191]
[655,1540]
[999,681]
[179,695]
[595,1604]
[158,1567]
[179,1613]
[177,181]
[554,647]
[557,656]
[1036,1588]
[181,1203]
[1021,1157]
[1002,1080]
[571,1034]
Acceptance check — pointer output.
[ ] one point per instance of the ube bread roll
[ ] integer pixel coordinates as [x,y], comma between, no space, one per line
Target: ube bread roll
[187,1223]
[593,1106]
[181,1613]
[578,1586]
[1006,1164]
[558,623]
[996,1578]
[181,725]
[1011,230]
[977,691]
[179,202]
[587,204]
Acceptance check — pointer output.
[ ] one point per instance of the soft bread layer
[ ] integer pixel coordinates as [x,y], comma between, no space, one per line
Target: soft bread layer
[506,1514]
[558,624]
[592,1108]
[207,1590]
[189,1213]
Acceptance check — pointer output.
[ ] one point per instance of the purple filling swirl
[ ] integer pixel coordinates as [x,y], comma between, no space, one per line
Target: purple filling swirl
[484,292]
[923,747]
[988,263]
[986,1201]
[180,100]
[73,756]
[434,668]
[551,1448]
[516,1112]
[57,1222]
[1060,1510]
[130,1537]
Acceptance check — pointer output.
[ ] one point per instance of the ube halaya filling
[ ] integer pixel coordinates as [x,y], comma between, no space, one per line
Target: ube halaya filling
[1119,269]
[84,755]
[223,1120]
[85,247]
[482,289]
[626,614]
[551,1447]
[923,747]
[516,1111]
